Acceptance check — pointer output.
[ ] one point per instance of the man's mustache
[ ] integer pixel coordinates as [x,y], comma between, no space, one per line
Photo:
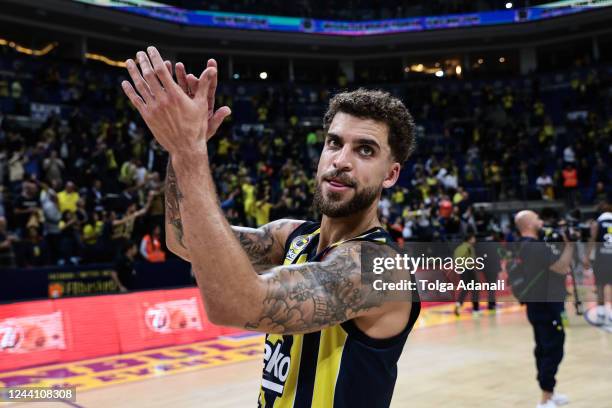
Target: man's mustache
[339,176]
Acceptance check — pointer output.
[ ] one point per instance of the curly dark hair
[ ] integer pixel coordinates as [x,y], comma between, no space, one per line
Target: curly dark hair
[380,106]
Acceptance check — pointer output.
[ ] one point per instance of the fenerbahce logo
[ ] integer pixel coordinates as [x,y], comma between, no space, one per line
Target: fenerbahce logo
[277,360]
[297,246]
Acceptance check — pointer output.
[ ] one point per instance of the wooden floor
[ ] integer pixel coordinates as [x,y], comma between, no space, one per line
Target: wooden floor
[483,362]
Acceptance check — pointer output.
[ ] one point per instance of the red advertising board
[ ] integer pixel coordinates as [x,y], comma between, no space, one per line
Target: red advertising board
[51,331]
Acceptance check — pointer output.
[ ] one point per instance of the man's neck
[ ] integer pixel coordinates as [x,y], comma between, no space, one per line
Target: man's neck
[529,234]
[339,229]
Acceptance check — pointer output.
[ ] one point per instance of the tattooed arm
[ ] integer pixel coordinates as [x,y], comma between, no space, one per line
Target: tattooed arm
[264,245]
[174,223]
[308,297]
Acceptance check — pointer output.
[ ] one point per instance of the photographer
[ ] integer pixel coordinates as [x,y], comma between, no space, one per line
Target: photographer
[546,268]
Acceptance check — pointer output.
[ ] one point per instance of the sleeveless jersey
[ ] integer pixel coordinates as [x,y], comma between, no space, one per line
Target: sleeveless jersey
[339,366]
[604,235]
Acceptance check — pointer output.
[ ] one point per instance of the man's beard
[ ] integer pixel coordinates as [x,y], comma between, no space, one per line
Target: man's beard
[331,206]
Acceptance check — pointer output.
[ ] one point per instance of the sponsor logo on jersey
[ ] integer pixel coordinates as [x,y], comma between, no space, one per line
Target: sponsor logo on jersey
[277,361]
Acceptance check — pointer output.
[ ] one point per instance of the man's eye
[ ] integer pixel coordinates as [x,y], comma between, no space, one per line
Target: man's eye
[366,150]
[332,143]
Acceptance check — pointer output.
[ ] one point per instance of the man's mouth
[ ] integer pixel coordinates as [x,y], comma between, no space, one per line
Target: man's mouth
[338,183]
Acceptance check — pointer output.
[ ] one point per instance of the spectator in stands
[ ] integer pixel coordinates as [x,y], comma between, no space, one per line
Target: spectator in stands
[68,198]
[124,274]
[51,227]
[570,184]
[123,228]
[151,247]
[69,243]
[7,240]
[95,197]
[569,156]
[92,232]
[53,167]
[33,250]
[16,170]
[2,209]
[26,208]
[545,185]
[127,174]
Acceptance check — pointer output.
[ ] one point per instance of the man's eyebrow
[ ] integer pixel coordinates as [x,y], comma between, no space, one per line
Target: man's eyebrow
[369,142]
[362,141]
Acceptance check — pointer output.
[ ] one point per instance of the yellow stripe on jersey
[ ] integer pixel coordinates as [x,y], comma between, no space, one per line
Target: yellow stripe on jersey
[291,384]
[328,365]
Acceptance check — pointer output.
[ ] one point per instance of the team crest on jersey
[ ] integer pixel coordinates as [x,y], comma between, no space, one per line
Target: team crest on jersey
[277,361]
[297,246]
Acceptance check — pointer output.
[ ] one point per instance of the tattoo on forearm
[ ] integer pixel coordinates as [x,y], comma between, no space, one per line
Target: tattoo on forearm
[173,198]
[302,298]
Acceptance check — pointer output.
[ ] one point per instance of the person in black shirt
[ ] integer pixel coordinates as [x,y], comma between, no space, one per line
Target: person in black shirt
[7,240]
[124,272]
[489,248]
[25,205]
[546,267]
[601,242]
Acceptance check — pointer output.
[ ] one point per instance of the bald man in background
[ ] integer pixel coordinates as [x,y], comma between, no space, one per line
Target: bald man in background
[547,267]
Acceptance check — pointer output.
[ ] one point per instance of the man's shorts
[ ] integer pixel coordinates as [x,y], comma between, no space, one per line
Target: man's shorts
[602,268]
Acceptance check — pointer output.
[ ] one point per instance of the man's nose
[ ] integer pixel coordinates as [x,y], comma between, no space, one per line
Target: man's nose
[342,160]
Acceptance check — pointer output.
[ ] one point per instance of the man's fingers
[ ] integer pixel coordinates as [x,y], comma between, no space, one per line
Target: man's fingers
[160,70]
[193,83]
[133,96]
[139,82]
[217,119]
[212,88]
[148,73]
[181,77]
[168,65]
[204,82]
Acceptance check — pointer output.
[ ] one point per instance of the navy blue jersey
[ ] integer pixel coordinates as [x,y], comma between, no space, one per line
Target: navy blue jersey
[339,366]
[604,234]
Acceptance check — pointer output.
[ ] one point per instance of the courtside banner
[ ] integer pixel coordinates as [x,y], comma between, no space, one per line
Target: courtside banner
[89,327]
[31,333]
[61,330]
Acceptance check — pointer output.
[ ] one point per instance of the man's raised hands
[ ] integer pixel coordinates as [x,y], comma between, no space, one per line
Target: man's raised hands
[179,122]
[190,84]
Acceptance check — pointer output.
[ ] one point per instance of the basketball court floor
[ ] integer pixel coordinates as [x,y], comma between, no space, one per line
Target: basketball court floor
[474,362]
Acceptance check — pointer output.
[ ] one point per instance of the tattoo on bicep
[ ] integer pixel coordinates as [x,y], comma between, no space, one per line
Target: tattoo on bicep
[302,298]
[173,199]
[258,244]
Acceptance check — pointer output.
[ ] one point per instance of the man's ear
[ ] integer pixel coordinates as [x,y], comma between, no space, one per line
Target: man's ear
[392,175]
